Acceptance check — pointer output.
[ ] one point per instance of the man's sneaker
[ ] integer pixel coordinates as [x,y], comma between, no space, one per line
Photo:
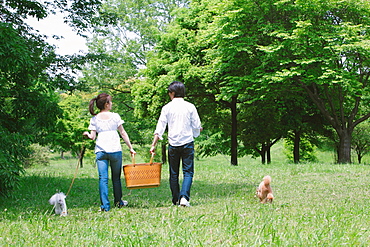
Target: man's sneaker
[184,202]
[122,204]
[175,202]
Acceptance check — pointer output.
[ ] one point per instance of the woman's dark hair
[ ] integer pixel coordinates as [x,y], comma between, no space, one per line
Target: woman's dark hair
[101,100]
[178,88]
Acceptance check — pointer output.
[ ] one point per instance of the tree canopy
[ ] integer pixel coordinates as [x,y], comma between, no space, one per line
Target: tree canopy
[30,75]
[237,53]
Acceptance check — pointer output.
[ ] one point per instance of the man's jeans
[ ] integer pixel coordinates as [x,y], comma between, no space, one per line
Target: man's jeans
[184,153]
[103,161]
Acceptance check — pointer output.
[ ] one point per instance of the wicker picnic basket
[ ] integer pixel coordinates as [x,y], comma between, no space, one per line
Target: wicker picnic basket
[144,175]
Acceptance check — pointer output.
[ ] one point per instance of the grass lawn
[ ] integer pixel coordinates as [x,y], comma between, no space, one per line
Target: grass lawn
[316,204]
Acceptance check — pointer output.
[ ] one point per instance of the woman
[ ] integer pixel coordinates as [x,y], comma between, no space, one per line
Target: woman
[108,148]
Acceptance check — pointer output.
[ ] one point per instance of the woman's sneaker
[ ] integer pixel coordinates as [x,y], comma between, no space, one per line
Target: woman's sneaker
[184,202]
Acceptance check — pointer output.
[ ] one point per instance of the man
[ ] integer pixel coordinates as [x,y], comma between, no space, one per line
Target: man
[183,125]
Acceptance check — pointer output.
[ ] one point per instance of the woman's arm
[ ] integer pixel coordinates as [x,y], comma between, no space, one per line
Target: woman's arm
[125,137]
[91,135]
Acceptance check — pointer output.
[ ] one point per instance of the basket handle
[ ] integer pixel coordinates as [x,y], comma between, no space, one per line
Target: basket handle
[150,162]
[151,159]
[133,159]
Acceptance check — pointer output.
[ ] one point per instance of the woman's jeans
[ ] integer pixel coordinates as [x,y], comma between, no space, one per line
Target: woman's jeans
[184,153]
[103,161]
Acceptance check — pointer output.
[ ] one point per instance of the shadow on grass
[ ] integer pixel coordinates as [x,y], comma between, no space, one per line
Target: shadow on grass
[35,191]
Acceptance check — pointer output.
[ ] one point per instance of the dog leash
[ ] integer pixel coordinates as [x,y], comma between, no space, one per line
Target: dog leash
[74,177]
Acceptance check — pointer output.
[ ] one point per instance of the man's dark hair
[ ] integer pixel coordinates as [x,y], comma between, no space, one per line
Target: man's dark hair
[178,88]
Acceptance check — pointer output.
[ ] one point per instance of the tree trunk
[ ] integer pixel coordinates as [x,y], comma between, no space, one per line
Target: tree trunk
[265,151]
[344,151]
[262,153]
[297,140]
[268,153]
[263,157]
[234,133]
[343,124]
[81,155]
[359,158]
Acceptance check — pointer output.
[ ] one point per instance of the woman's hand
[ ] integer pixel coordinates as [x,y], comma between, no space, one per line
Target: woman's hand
[91,135]
[132,151]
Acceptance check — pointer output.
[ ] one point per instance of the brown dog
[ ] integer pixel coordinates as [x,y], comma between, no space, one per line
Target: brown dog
[264,191]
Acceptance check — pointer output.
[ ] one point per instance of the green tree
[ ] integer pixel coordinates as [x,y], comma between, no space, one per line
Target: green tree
[361,140]
[30,75]
[306,148]
[25,94]
[259,131]
[67,134]
[319,46]
[13,148]
[124,32]
[325,50]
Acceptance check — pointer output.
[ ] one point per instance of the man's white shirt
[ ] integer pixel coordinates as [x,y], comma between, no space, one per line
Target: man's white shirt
[183,122]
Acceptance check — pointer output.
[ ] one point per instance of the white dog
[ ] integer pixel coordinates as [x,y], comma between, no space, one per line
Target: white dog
[59,202]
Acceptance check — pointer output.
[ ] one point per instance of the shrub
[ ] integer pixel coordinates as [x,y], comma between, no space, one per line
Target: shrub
[306,149]
[10,170]
[39,155]
[13,149]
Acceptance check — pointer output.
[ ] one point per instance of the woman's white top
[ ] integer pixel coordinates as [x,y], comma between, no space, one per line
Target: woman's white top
[108,139]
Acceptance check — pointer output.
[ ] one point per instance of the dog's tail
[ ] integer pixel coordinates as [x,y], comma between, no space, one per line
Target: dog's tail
[267,180]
